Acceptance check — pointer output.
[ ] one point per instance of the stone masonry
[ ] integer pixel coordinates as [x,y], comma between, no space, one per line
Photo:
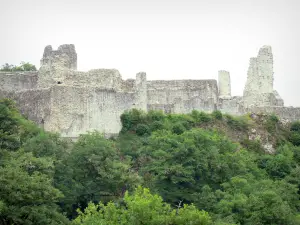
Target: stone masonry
[62,99]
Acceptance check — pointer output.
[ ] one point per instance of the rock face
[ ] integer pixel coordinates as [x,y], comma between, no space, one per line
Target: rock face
[71,102]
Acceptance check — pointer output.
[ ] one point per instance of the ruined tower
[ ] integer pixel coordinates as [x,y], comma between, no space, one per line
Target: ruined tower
[224,84]
[258,90]
[56,63]
[141,91]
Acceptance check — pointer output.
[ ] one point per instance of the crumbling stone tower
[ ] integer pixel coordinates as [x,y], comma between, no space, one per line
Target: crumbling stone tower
[141,91]
[224,84]
[258,90]
[55,64]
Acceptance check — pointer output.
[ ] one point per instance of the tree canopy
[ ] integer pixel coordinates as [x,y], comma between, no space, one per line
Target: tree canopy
[196,168]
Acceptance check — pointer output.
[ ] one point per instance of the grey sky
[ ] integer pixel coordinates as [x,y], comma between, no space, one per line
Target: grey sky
[179,39]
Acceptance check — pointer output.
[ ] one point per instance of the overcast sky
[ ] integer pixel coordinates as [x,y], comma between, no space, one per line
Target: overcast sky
[179,39]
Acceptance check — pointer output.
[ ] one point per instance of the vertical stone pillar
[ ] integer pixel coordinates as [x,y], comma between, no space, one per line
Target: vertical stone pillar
[224,84]
[141,99]
[265,69]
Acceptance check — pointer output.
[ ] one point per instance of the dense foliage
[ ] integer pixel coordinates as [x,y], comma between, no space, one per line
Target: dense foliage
[24,66]
[201,169]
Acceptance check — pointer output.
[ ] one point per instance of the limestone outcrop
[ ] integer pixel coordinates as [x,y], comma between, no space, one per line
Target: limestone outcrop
[62,99]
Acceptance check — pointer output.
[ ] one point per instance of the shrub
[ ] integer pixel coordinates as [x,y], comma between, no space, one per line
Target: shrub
[294,138]
[178,128]
[252,145]
[132,118]
[156,125]
[217,114]
[156,115]
[142,129]
[237,123]
[201,117]
[271,123]
[295,126]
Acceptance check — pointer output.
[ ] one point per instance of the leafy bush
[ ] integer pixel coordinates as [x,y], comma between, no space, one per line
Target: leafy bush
[294,138]
[271,123]
[201,117]
[142,208]
[217,114]
[295,126]
[252,145]
[178,128]
[24,66]
[130,119]
[237,123]
[142,129]
[294,135]
[156,125]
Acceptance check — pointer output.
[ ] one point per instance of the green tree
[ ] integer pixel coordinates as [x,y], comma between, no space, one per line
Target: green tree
[142,208]
[94,171]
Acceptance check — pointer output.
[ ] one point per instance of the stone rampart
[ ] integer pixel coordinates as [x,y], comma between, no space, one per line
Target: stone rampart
[17,81]
[76,110]
[64,100]
[167,91]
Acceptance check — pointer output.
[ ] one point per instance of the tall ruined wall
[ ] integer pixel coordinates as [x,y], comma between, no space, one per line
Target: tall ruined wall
[34,104]
[258,90]
[141,98]
[17,81]
[183,95]
[64,100]
[224,84]
[76,110]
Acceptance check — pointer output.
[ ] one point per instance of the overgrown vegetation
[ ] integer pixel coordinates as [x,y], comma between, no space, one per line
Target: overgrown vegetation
[197,168]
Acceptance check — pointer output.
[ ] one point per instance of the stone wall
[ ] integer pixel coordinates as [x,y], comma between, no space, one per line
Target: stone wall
[33,104]
[64,100]
[104,78]
[141,98]
[17,81]
[224,84]
[258,90]
[185,95]
[76,110]
[232,105]
[286,113]
[55,65]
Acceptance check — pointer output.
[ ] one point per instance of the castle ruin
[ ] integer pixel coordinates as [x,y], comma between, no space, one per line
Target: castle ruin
[62,99]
